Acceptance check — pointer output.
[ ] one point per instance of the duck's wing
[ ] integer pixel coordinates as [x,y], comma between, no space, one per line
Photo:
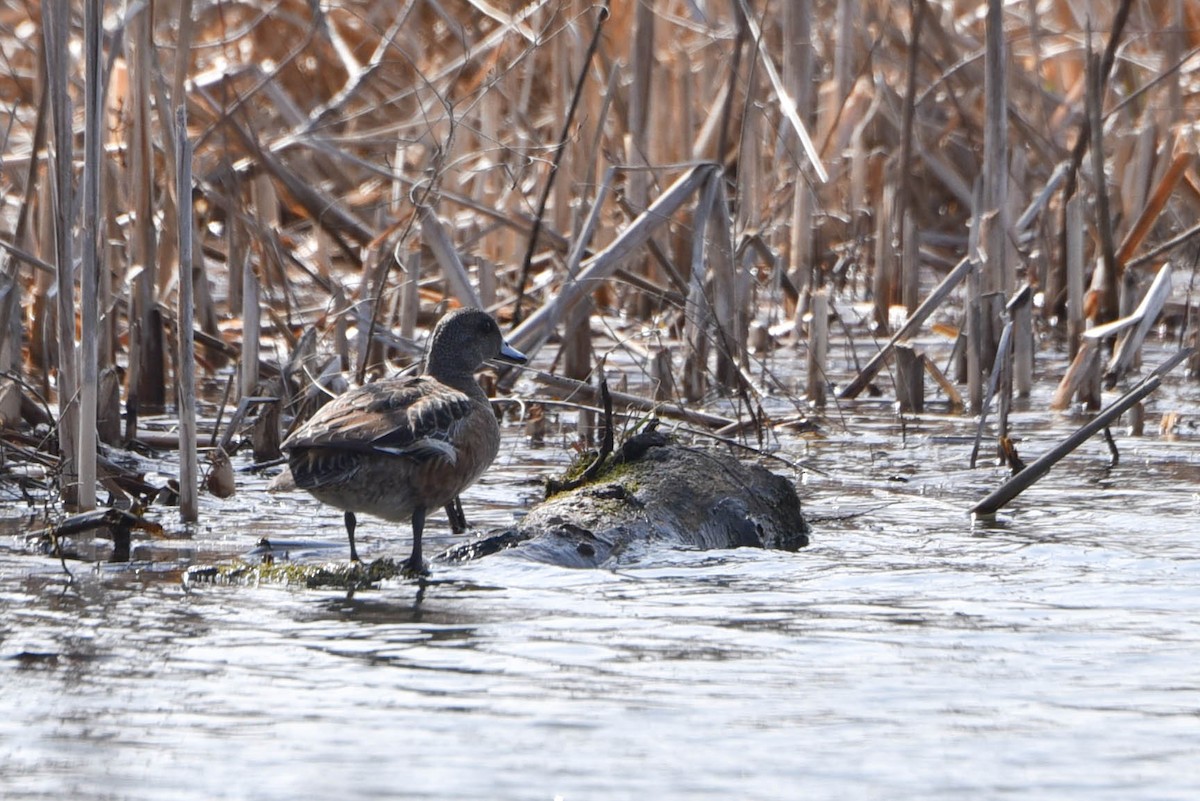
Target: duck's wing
[416,417]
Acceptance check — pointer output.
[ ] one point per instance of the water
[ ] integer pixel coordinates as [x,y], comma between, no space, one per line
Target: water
[907,654]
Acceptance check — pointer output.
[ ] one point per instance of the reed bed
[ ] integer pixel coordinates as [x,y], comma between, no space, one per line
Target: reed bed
[276,198]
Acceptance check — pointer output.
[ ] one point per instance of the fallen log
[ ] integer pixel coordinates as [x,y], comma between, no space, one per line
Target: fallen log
[653,494]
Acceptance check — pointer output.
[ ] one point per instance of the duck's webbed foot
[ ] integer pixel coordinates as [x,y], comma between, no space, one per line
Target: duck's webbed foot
[414,567]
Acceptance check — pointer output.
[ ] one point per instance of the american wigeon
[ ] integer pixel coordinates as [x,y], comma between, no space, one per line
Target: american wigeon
[399,447]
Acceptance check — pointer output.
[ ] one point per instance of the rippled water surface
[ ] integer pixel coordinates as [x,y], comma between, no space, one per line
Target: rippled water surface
[905,654]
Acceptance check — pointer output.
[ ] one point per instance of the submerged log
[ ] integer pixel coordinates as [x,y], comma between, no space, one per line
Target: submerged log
[654,494]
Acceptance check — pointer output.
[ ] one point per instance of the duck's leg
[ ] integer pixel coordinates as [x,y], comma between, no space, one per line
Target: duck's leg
[458,519]
[351,524]
[415,566]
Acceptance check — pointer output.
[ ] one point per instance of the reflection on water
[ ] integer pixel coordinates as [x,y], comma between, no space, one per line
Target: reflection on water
[906,654]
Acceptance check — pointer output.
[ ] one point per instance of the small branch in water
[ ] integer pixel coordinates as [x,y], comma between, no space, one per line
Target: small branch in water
[1026,478]
[1112,448]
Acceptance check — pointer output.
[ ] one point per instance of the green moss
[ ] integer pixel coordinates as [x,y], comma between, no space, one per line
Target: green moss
[578,466]
[612,471]
[330,576]
[616,465]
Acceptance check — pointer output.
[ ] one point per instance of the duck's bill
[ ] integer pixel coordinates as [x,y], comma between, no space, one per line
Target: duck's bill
[510,354]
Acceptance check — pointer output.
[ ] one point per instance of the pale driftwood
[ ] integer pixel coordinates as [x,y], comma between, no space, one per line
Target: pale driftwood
[1026,478]
[914,322]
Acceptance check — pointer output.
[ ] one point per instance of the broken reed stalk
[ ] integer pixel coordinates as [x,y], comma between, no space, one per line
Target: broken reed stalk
[145,387]
[251,328]
[90,262]
[1071,183]
[898,219]
[1023,340]
[1075,270]
[1109,303]
[185,362]
[994,384]
[818,349]
[590,394]
[1026,478]
[56,24]
[10,287]
[798,65]
[530,335]
[1154,207]
[914,322]
[1143,317]
[559,150]
[974,304]
[1000,272]
[787,105]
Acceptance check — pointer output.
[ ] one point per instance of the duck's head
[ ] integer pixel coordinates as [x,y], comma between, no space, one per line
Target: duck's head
[466,338]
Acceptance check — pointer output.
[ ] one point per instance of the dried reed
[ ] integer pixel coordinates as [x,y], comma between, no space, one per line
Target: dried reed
[708,170]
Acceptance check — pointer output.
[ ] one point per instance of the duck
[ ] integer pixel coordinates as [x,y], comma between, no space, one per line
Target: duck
[399,447]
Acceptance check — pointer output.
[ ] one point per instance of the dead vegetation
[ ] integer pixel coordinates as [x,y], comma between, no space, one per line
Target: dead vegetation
[295,187]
